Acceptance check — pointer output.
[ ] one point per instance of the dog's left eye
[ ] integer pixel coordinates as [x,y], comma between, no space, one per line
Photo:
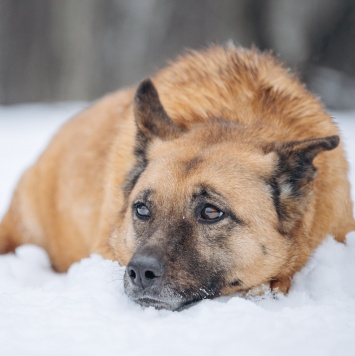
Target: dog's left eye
[142,211]
[210,213]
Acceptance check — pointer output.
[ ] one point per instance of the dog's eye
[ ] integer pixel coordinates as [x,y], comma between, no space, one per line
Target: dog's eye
[142,211]
[210,213]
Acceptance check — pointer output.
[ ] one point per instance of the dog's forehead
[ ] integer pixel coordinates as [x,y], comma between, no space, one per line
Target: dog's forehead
[223,158]
[227,168]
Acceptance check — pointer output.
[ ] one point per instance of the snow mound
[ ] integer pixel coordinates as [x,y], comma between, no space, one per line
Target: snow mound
[85,312]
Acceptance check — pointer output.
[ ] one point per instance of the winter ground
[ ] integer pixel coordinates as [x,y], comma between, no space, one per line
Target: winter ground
[85,312]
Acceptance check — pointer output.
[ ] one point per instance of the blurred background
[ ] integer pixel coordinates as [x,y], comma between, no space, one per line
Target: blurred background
[64,50]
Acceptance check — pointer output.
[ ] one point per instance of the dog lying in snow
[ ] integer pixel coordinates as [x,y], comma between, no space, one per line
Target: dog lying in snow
[219,174]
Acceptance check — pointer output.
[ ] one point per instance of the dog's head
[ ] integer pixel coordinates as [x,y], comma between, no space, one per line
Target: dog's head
[210,210]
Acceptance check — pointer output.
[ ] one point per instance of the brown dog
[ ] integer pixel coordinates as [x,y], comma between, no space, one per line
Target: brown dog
[227,180]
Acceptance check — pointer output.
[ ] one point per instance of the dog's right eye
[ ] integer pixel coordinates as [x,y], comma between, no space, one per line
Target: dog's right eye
[210,214]
[142,211]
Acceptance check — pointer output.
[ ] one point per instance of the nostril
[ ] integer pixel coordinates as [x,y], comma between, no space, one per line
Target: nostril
[132,273]
[149,275]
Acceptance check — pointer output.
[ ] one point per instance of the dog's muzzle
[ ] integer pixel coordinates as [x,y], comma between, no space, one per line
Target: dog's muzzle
[145,282]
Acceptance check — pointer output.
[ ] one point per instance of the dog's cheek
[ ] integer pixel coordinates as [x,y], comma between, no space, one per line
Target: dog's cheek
[256,255]
[195,278]
[194,268]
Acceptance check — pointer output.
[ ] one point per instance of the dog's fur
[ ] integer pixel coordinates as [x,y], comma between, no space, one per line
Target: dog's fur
[230,128]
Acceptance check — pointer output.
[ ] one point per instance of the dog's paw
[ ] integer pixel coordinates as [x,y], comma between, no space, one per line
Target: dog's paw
[272,290]
[280,285]
[260,292]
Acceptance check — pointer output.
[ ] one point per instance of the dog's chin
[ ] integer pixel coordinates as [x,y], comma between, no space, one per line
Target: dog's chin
[162,299]
[167,304]
[165,296]
[147,301]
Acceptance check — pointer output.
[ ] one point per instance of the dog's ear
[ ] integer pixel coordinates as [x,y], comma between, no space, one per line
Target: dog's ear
[151,118]
[296,158]
[152,122]
[294,173]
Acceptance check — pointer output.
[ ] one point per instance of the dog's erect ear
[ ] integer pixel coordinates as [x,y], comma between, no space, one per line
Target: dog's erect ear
[308,149]
[152,122]
[151,118]
[294,173]
[296,157]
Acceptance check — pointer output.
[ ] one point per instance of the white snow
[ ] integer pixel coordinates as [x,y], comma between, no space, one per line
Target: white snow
[85,312]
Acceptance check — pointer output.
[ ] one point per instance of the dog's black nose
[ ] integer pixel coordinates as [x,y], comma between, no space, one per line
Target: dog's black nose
[144,271]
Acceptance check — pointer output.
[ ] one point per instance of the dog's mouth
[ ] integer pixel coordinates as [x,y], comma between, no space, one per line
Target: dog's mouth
[170,304]
[165,298]
[147,301]
[161,292]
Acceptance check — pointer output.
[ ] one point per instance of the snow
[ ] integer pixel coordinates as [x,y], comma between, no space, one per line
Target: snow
[85,311]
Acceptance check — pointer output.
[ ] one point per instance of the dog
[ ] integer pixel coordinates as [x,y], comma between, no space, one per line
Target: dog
[219,174]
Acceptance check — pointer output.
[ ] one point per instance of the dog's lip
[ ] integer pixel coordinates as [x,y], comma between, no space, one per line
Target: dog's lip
[173,304]
[148,301]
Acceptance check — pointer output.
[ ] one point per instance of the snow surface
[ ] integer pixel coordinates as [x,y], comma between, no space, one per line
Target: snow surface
[85,311]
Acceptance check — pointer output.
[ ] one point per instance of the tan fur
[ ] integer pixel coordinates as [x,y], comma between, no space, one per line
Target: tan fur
[71,201]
